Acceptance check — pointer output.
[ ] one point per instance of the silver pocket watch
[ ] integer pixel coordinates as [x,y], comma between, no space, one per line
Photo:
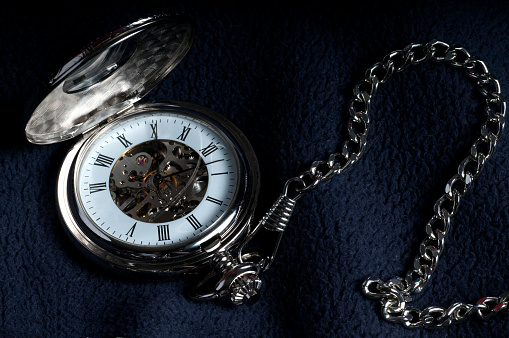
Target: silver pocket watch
[157,187]
[170,188]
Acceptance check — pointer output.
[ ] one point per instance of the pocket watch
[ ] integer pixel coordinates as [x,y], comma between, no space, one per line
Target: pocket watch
[152,188]
[163,188]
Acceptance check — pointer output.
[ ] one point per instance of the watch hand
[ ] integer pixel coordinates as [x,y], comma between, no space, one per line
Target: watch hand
[157,150]
[139,201]
[176,198]
[180,172]
[158,158]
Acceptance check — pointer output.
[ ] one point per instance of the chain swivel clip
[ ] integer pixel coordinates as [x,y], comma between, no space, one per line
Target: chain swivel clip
[238,279]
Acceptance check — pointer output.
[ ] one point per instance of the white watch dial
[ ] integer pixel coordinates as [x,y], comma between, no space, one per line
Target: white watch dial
[156,179]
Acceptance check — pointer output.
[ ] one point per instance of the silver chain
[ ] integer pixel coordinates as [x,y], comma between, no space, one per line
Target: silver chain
[396,293]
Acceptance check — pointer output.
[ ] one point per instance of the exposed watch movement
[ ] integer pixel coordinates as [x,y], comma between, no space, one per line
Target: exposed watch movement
[155,187]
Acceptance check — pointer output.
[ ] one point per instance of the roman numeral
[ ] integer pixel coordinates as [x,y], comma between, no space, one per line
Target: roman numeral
[131,231]
[123,140]
[104,161]
[96,187]
[194,222]
[154,130]
[163,232]
[214,200]
[184,134]
[209,149]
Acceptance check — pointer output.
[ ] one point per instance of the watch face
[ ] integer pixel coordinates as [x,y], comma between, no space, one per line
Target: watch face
[157,179]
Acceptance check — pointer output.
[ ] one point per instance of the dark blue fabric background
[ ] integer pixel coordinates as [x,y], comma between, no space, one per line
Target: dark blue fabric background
[284,75]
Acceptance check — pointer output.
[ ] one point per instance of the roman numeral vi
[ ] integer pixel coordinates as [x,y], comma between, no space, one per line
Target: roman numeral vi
[131,230]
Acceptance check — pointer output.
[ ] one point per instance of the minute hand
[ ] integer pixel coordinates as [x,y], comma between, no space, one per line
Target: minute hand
[177,197]
[192,168]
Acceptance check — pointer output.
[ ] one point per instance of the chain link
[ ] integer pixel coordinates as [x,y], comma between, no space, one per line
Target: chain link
[396,293]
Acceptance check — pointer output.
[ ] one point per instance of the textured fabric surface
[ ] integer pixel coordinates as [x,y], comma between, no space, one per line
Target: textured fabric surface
[283,74]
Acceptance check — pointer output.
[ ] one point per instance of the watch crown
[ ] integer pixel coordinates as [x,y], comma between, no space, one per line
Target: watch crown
[229,280]
[245,289]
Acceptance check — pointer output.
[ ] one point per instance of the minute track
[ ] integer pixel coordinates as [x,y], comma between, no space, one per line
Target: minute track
[134,172]
[128,196]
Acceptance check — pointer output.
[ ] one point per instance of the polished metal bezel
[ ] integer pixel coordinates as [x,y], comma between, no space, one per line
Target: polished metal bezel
[234,225]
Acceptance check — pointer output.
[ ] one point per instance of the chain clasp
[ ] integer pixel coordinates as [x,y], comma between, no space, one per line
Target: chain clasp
[238,279]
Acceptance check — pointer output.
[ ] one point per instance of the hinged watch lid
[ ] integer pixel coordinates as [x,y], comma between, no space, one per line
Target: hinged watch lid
[109,76]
